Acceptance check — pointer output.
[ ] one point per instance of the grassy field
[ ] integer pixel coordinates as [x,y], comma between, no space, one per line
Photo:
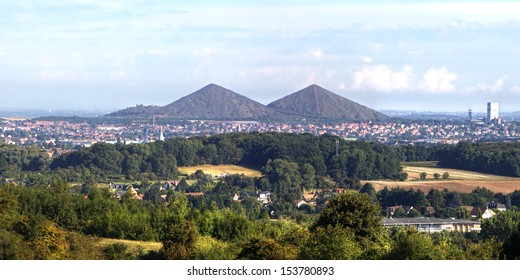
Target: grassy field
[459,180]
[133,246]
[221,169]
[455,174]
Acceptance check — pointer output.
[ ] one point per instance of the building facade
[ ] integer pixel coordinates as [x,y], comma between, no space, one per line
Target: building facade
[492,111]
[432,225]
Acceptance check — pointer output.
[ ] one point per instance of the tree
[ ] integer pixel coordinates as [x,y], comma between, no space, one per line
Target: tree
[423,176]
[511,248]
[436,199]
[369,189]
[463,213]
[399,212]
[409,244]
[501,226]
[445,176]
[355,212]
[116,251]
[183,185]
[331,243]
[308,174]
[285,179]
[179,242]
[508,202]
[453,199]
[13,247]
[265,249]
[414,213]
[436,176]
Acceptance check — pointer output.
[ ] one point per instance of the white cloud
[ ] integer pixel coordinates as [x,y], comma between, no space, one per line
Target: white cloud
[438,80]
[515,89]
[317,53]
[377,47]
[495,87]
[383,78]
[118,75]
[204,52]
[367,59]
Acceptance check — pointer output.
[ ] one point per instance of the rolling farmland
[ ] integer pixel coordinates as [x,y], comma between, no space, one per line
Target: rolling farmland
[459,180]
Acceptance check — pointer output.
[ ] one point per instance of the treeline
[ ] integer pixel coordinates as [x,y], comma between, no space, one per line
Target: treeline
[446,204]
[361,160]
[496,158]
[14,159]
[492,158]
[353,160]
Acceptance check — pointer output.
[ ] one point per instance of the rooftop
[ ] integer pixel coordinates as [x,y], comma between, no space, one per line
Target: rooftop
[415,221]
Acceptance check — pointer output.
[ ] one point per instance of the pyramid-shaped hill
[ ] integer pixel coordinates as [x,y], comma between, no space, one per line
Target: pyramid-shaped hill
[216,103]
[317,102]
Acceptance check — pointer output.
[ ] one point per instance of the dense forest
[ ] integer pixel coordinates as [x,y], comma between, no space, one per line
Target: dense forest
[361,160]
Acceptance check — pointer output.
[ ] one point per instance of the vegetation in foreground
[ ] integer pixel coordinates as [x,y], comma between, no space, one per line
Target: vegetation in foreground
[43,217]
[53,223]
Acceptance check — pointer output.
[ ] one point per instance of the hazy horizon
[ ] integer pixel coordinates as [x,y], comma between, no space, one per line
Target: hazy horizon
[388,55]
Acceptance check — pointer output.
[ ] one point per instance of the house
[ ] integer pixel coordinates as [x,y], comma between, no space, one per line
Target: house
[498,206]
[486,212]
[123,190]
[264,197]
[11,182]
[309,196]
[300,203]
[391,209]
[171,185]
[340,190]
[237,198]
[122,187]
[432,225]
[429,210]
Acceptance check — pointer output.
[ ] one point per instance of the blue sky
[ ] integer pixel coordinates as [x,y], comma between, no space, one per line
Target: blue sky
[112,54]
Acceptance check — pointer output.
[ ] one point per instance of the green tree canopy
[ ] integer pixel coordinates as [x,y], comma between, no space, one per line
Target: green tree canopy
[355,212]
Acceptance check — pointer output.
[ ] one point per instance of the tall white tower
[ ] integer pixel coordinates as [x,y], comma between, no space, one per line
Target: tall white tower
[492,111]
[161,136]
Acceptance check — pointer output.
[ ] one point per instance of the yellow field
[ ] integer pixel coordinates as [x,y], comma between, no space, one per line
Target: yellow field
[455,174]
[133,246]
[459,180]
[220,169]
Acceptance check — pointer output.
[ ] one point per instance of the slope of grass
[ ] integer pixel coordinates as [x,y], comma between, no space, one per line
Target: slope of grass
[133,245]
[221,169]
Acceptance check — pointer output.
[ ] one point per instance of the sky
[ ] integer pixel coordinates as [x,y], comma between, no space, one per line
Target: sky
[401,55]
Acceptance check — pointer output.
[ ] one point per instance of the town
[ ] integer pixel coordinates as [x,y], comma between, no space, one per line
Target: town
[71,135]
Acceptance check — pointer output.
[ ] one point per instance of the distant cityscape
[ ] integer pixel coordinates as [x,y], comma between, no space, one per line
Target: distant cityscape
[67,134]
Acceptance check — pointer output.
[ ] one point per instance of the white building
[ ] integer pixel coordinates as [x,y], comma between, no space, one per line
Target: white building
[492,111]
